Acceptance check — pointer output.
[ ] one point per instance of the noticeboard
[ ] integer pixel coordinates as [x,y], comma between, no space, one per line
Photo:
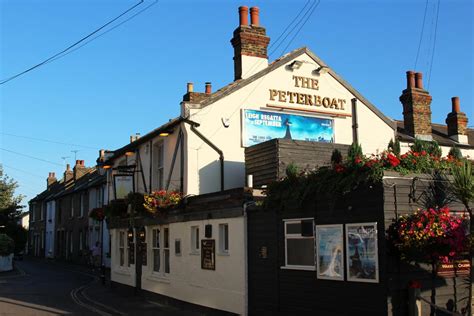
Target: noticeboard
[208,254]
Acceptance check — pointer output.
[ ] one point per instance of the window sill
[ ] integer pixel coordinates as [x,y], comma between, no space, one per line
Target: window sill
[298,268]
[195,253]
[123,271]
[224,254]
[158,278]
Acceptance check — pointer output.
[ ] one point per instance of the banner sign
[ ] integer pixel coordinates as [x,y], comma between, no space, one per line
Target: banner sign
[454,268]
[123,185]
[260,126]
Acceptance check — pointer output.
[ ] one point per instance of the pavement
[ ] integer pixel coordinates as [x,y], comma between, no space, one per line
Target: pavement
[40,287]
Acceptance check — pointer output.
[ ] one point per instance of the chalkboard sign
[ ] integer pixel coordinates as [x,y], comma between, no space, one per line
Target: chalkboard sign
[208,254]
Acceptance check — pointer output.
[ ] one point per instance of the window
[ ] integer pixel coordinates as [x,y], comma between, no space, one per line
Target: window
[177,247]
[299,244]
[81,204]
[72,206]
[224,238]
[99,198]
[161,250]
[195,239]
[33,210]
[42,212]
[122,250]
[80,241]
[158,155]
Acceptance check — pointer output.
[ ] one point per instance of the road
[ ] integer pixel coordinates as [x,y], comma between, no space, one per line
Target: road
[47,288]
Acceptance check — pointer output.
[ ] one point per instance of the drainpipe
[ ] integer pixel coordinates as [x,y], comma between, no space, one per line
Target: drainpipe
[208,142]
[355,125]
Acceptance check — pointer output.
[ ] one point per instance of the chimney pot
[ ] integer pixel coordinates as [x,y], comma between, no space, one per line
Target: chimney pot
[53,174]
[419,80]
[68,167]
[410,79]
[208,88]
[456,105]
[243,15]
[78,162]
[190,87]
[254,16]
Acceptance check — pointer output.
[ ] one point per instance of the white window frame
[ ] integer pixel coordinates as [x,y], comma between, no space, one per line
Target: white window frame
[224,239]
[163,248]
[159,157]
[122,244]
[195,240]
[298,236]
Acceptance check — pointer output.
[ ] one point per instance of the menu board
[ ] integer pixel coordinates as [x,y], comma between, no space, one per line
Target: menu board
[208,254]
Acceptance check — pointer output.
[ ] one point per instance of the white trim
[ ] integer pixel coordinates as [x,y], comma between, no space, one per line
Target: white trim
[290,267]
[298,236]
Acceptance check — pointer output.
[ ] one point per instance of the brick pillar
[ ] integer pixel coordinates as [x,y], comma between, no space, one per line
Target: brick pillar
[457,122]
[251,41]
[416,107]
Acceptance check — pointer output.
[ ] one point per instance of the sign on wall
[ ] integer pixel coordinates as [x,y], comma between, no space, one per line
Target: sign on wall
[330,252]
[260,126]
[123,185]
[208,254]
[361,252]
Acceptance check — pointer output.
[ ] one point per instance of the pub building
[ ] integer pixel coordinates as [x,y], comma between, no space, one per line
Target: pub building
[200,252]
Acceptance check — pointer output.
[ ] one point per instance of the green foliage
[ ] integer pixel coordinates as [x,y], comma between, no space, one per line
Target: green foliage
[336,157]
[355,150]
[291,170]
[431,148]
[136,201]
[462,185]
[394,147]
[119,207]
[116,208]
[437,194]
[455,152]
[7,245]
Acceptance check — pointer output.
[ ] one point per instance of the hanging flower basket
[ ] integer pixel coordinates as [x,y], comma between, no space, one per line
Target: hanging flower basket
[429,236]
[161,200]
[97,214]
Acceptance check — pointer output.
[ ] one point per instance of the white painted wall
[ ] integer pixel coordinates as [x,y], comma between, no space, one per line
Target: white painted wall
[50,226]
[120,274]
[202,173]
[222,289]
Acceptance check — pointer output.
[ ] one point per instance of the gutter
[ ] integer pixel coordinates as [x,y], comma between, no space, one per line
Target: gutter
[210,144]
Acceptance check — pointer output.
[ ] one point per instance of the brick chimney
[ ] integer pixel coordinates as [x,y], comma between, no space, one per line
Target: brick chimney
[416,107]
[79,169]
[68,174]
[457,123]
[51,179]
[197,97]
[250,44]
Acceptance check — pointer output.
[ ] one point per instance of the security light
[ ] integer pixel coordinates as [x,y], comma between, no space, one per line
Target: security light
[322,70]
[296,64]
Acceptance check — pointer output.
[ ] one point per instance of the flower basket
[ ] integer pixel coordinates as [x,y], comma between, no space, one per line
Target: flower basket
[97,214]
[429,236]
[161,200]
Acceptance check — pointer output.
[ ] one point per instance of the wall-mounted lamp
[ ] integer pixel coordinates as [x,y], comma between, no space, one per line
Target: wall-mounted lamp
[106,166]
[130,234]
[164,134]
[129,153]
[322,70]
[142,234]
[296,64]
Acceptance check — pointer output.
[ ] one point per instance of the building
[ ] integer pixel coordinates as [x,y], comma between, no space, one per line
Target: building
[202,152]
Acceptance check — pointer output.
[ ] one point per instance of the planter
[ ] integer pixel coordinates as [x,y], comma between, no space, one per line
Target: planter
[6,263]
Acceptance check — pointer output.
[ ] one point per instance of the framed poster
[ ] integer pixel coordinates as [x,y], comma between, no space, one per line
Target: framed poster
[330,252]
[260,126]
[208,254]
[362,253]
[123,185]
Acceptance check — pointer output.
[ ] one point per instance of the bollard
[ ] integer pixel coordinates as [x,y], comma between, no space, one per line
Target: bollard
[414,304]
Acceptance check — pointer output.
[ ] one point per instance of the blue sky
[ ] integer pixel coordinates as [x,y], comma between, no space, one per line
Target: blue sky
[132,78]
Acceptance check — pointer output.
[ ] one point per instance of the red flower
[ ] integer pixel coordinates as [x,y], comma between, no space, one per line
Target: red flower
[339,168]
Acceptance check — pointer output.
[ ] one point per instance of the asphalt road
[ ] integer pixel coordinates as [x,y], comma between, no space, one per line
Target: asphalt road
[47,288]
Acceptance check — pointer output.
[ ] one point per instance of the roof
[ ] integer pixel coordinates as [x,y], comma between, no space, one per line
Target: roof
[439,133]
[236,85]
[85,182]
[133,145]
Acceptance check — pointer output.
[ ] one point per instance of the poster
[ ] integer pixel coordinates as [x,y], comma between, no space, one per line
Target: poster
[329,252]
[208,254]
[123,185]
[260,126]
[362,253]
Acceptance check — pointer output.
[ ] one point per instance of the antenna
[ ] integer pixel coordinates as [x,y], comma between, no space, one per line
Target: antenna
[64,160]
[75,153]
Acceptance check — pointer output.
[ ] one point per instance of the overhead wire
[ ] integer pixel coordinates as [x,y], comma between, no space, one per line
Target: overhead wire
[21,170]
[421,35]
[71,46]
[49,141]
[434,45]
[31,157]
